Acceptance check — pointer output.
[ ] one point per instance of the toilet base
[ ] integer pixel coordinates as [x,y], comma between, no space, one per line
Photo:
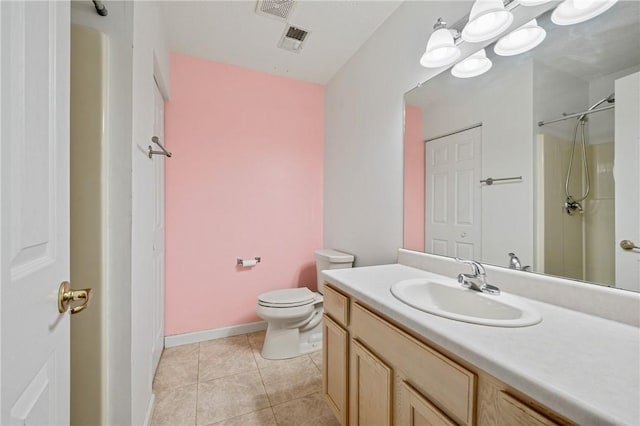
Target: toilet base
[283,343]
[313,344]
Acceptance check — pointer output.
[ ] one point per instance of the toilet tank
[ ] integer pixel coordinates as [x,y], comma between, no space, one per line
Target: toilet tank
[330,259]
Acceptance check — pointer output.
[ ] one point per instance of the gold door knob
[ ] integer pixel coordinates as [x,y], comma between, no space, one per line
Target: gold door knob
[66,296]
[628,245]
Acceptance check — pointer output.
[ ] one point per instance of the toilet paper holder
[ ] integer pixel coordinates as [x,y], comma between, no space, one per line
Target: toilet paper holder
[241,262]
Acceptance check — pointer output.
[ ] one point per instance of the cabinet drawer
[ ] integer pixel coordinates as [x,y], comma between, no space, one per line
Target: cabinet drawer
[512,412]
[446,384]
[336,305]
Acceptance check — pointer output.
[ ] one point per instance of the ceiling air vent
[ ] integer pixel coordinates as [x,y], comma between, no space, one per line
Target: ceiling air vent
[293,39]
[278,9]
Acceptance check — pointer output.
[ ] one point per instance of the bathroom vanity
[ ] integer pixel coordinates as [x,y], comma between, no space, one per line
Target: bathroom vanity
[385,362]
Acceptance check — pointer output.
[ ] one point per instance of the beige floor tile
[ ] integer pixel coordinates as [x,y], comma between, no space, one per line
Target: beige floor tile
[316,357]
[256,339]
[230,397]
[225,357]
[310,410]
[298,377]
[178,367]
[175,406]
[257,418]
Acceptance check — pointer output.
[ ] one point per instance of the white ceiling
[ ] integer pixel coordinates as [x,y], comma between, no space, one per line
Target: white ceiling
[231,32]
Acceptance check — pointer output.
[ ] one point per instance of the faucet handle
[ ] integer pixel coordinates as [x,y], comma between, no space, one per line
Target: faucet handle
[477,267]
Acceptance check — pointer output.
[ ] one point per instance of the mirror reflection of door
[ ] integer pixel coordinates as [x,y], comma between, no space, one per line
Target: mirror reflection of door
[452,194]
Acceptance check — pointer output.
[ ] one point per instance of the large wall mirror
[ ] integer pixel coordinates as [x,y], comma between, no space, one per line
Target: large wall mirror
[484,179]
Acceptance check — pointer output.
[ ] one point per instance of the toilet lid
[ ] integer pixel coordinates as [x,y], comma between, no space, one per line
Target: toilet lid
[287,298]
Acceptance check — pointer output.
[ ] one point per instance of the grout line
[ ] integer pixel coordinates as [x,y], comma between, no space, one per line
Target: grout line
[164,388]
[299,398]
[275,419]
[174,388]
[235,351]
[264,386]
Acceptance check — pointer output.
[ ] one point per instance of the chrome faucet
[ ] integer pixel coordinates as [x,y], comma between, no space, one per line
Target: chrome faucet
[478,280]
[514,263]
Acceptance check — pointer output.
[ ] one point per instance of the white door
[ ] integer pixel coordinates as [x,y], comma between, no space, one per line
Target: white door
[34,197]
[627,180]
[158,233]
[453,196]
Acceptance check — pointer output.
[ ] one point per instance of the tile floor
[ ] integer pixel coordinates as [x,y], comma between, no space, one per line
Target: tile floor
[227,382]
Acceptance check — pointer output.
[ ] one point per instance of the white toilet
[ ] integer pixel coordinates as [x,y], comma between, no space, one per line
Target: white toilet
[294,315]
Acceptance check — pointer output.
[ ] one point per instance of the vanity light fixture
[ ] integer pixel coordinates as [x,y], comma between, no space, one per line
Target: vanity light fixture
[487,19]
[441,48]
[571,12]
[473,66]
[521,39]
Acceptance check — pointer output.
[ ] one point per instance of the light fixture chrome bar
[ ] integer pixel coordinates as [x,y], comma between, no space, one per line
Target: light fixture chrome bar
[157,142]
[489,181]
[452,133]
[577,114]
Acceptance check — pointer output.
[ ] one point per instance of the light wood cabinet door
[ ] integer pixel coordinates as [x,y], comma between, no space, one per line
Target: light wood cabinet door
[447,384]
[335,359]
[418,411]
[513,412]
[371,388]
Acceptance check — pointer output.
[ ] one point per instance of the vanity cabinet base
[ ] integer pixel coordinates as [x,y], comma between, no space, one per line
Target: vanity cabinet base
[376,374]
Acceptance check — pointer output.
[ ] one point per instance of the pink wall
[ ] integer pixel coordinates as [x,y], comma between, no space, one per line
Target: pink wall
[413,179]
[245,180]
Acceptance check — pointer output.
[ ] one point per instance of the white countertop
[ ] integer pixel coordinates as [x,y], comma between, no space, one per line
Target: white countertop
[584,367]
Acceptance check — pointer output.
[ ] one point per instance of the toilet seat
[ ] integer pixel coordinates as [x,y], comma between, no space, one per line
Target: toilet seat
[287,298]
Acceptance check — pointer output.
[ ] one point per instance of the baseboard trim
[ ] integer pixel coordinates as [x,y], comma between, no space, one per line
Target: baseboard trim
[152,403]
[215,333]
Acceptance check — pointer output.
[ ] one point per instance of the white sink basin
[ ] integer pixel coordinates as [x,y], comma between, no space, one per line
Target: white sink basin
[451,300]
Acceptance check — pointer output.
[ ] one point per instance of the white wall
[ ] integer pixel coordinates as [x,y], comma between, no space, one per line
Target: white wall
[118,26]
[150,57]
[364,133]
